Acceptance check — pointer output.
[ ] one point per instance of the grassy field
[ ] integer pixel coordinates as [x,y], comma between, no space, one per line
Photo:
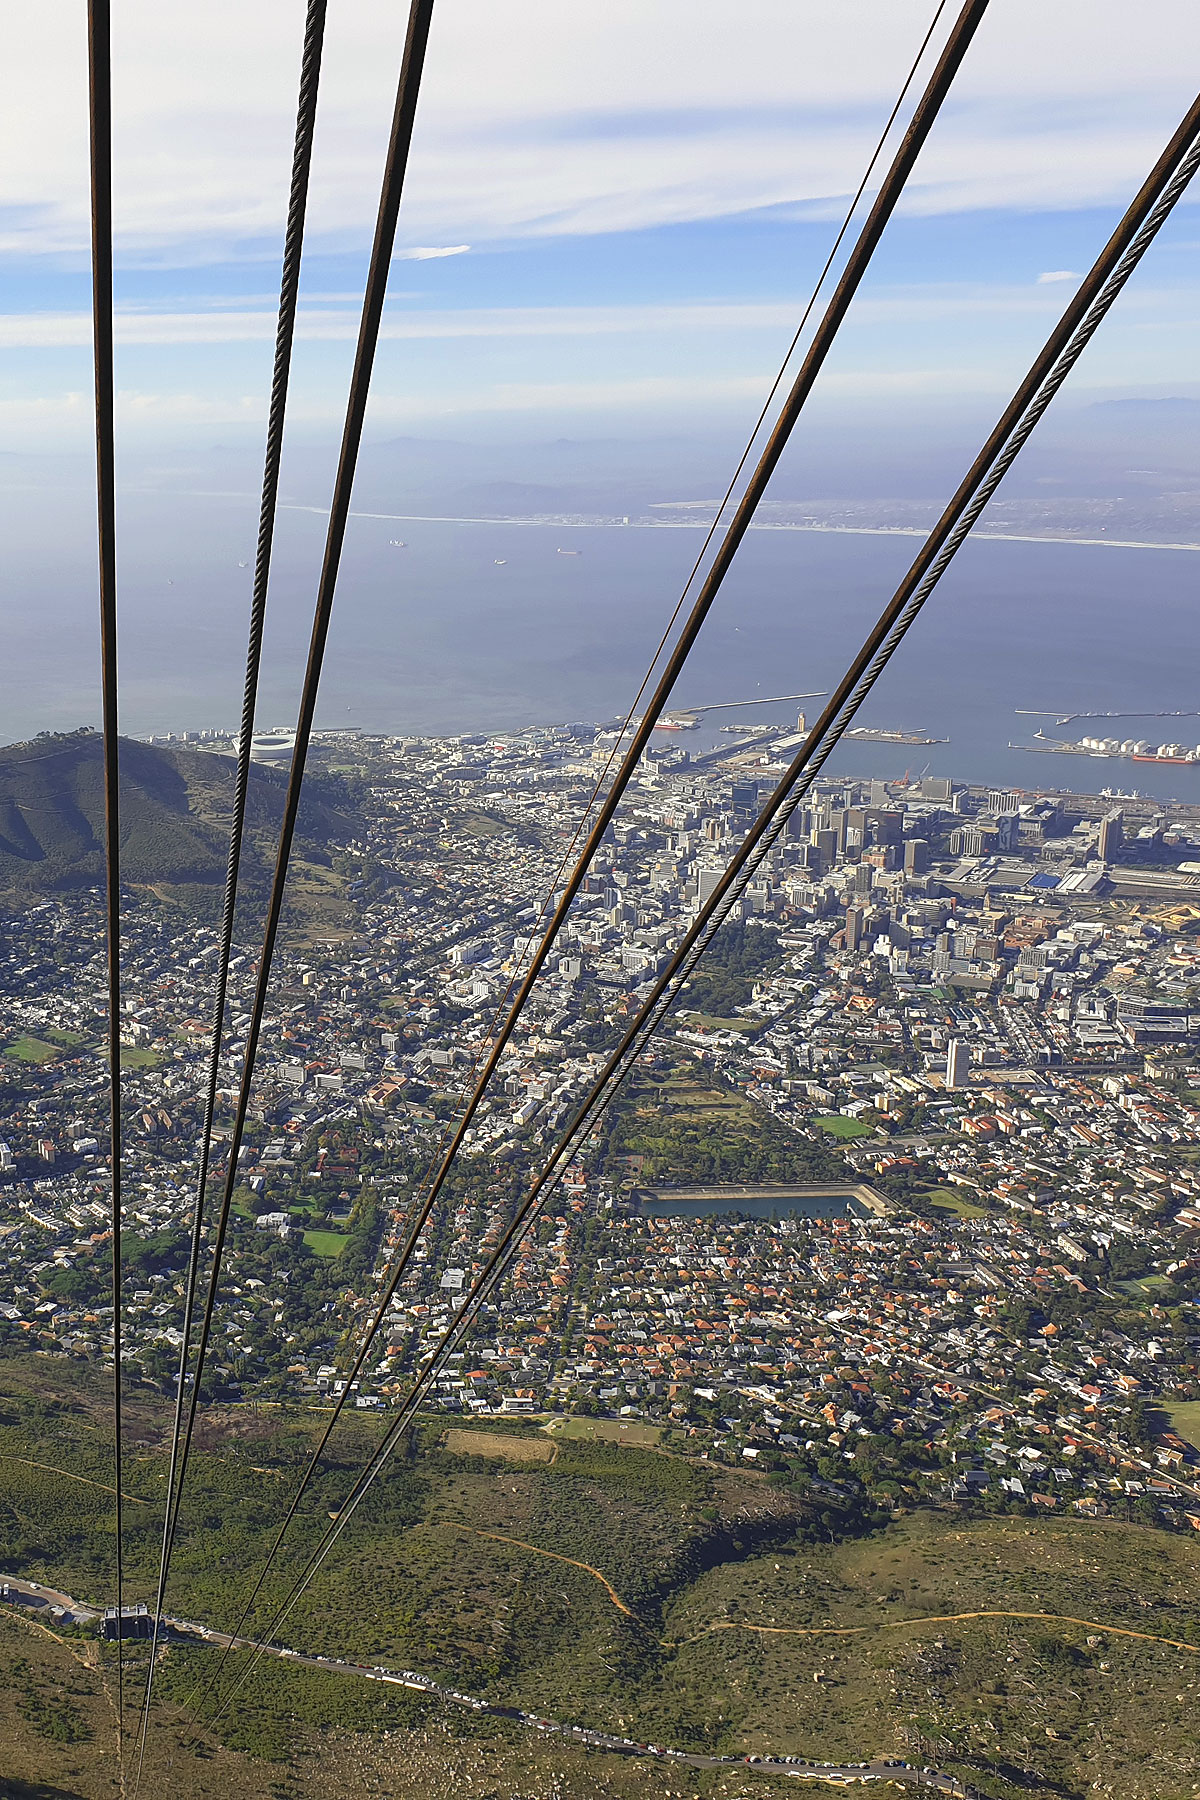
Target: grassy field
[1145,1286]
[326,1243]
[498,1444]
[1183,1416]
[682,1092]
[315,909]
[32,1050]
[137,1056]
[839,1127]
[612,1431]
[946,1200]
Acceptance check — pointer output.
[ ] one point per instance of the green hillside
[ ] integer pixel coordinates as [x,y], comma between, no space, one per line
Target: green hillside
[637,1591]
[175,811]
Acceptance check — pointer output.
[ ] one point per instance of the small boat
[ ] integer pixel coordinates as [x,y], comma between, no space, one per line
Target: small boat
[398,543]
[500,561]
[244,565]
[570,553]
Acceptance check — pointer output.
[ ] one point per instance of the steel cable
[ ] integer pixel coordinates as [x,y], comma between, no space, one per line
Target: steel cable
[289,290]
[99,29]
[881,210]
[400,1264]
[392,187]
[1079,323]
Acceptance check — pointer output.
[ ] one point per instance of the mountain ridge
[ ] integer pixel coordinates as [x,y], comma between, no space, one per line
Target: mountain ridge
[175,808]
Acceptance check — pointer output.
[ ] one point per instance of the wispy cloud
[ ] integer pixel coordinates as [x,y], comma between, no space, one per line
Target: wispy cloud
[898,307]
[432,255]
[542,120]
[1049,275]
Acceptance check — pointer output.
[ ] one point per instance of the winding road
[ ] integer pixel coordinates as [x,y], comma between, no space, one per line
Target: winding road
[37,1598]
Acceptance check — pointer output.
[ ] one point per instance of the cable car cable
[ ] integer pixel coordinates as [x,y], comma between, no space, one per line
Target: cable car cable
[397,157]
[99,33]
[924,116]
[392,1280]
[289,290]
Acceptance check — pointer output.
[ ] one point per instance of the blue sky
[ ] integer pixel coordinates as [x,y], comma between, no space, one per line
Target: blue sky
[614,213]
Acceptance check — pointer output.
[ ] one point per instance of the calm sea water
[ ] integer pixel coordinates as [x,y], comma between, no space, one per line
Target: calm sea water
[488,626]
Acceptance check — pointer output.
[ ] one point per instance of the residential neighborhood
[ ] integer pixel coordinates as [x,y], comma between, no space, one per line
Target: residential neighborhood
[961,1023]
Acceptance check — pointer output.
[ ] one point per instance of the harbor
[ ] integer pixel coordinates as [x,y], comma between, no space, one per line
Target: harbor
[1138,750]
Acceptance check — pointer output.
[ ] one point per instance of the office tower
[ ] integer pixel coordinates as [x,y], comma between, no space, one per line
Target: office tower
[743,796]
[1112,835]
[854,923]
[957,1058]
[916,856]
[998,804]
[706,882]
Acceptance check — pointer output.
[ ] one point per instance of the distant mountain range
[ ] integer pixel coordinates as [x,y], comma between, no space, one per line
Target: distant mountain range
[175,806]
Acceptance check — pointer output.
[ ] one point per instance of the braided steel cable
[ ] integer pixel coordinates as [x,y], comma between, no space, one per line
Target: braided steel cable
[1075,330]
[392,187]
[924,116]
[289,292]
[99,35]
[401,1262]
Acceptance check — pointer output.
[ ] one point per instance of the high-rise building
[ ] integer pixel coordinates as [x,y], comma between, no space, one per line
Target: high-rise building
[743,796]
[854,923]
[706,882]
[1112,835]
[969,840]
[886,824]
[1000,803]
[957,1059]
[916,856]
